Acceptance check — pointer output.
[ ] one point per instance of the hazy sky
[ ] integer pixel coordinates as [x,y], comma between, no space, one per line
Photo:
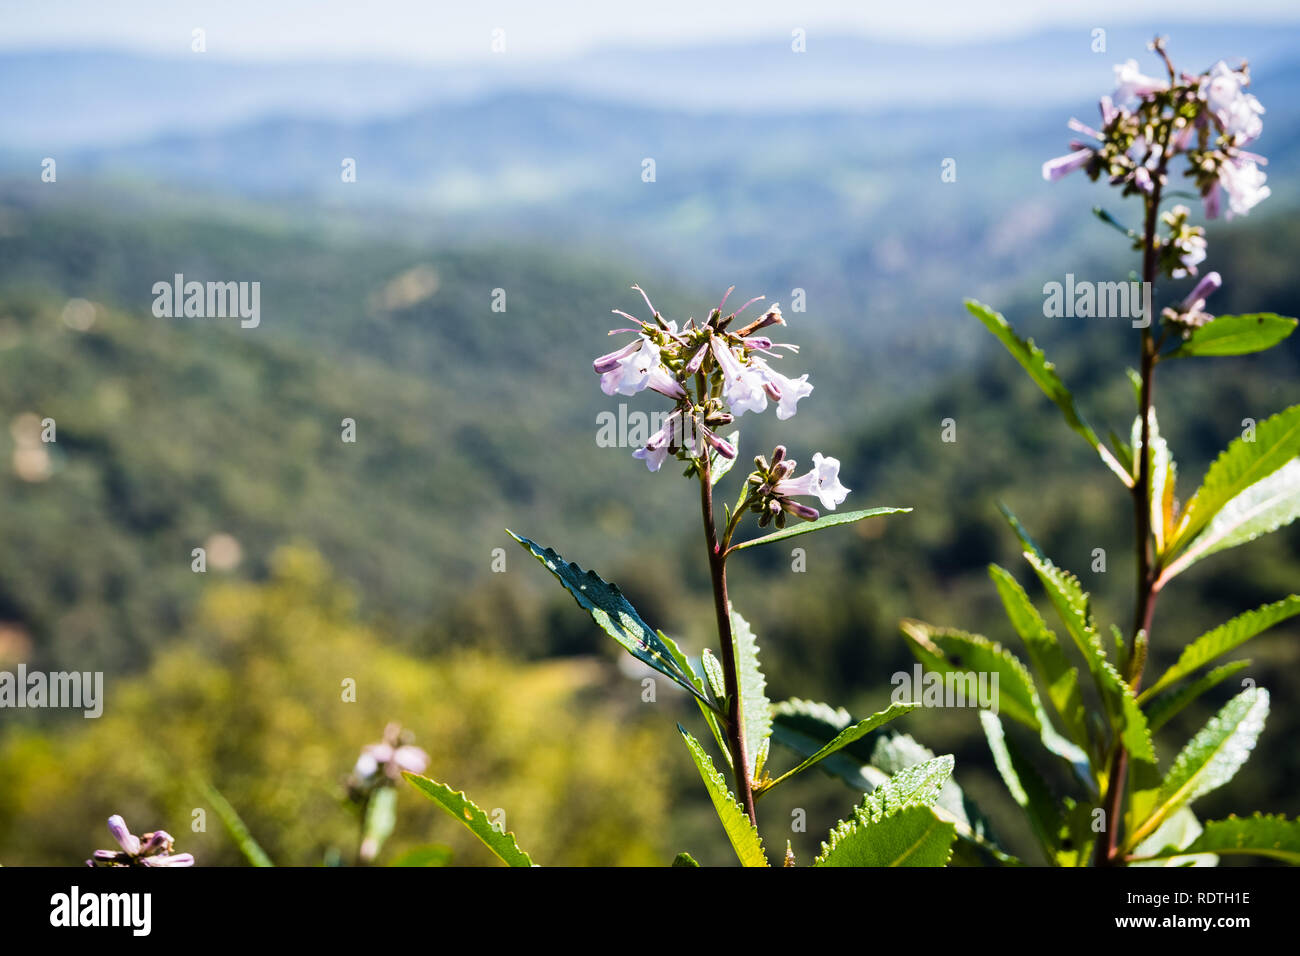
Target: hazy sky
[429,30]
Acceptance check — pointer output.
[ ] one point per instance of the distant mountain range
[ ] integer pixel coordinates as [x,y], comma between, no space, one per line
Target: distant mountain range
[63,98]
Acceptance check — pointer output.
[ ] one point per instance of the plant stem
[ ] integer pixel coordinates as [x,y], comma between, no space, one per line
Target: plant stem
[718,572]
[1106,850]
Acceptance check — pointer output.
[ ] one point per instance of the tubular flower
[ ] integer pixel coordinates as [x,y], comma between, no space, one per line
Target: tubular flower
[1191,313]
[823,481]
[154,849]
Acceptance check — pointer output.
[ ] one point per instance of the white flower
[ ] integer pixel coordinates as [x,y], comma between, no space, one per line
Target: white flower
[788,390]
[823,481]
[1243,181]
[1237,110]
[631,372]
[655,450]
[743,385]
[1131,83]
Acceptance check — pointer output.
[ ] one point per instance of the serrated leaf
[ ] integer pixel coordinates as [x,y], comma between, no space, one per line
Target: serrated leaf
[684,859]
[826,521]
[617,617]
[1224,638]
[806,726]
[846,737]
[474,819]
[1045,653]
[1236,335]
[911,836]
[720,465]
[1210,759]
[1163,709]
[1165,847]
[1072,604]
[424,856]
[1163,476]
[755,708]
[744,838]
[1265,506]
[1044,374]
[713,670]
[1238,467]
[1274,837]
[1024,784]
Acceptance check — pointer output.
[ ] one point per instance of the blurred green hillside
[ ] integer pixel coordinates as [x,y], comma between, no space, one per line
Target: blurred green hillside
[173,431]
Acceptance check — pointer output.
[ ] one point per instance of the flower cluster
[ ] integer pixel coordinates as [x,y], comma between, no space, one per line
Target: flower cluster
[773,489]
[713,372]
[382,764]
[1209,117]
[1190,313]
[153,849]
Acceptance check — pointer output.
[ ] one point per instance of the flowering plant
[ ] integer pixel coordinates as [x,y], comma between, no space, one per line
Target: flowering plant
[714,372]
[1122,809]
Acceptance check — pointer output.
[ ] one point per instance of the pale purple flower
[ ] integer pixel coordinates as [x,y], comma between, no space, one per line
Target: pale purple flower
[1131,83]
[788,391]
[1054,169]
[1243,181]
[154,850]
[743,384]
[631,371]
[655,450]
[1210,283]
[823,481]
[1237,111]
[387,759]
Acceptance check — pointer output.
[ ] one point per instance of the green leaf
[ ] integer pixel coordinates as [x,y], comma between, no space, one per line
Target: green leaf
[1165,708]
[1166,846]
[684,859]
[755,708]
[618,618]
[719,465]
[431,855]
[1210,759]
[806,726]
[1236,335]
[1262,508]
[1224,638]
[1024,784]
[846,737]
[713,670]
[1045,653]
[1240,465]
[235,826]
[381,818]
[1044,374]
[474,819]
[876,837]
[744,838]
[913,836]
[826,521]
[1275,837]
[1164,473]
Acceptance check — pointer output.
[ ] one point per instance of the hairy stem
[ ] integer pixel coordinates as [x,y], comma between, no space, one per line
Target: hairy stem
[718,572]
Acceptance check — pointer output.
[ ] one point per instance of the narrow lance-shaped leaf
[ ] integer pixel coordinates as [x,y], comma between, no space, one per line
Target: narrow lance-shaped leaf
[617,617]
[1046,654]
[1224,638]
[236,827]
[1210,759]
[846,737]
[1236,335]
[744,838]
[1024,784]
[474,819]
[1273,837]
[1274,443]
[826,521]
[1164,708]
[755,708]
[1163,474]
[1044,374]
[1265,506]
